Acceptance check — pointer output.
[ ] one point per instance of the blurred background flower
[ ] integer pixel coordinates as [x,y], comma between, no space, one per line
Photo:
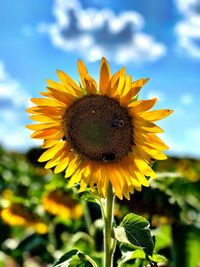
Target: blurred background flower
[17,215]
[62,204]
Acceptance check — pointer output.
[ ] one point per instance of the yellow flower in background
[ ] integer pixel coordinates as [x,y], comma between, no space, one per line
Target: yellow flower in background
[187,169]
[17,215]
[99,133]
[7,194]
[61,204]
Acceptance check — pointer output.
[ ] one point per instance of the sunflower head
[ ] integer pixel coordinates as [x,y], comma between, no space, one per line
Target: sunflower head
[99,133]
[61,204]
[17,215]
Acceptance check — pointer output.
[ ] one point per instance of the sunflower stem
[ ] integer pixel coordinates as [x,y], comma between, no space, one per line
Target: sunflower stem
[108,222]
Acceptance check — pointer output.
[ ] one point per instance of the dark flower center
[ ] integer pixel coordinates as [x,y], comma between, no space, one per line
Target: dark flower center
[98,128]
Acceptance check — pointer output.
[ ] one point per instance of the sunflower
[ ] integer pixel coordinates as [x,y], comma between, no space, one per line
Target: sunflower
[61,204]
[17,215]
[99,134]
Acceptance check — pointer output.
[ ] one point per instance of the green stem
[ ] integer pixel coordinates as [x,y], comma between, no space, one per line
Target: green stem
[51,235]
[88,220]
[102,208]
[91,261]
[108,221]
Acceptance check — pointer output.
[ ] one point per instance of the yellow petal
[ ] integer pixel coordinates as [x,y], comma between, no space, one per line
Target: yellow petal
[63,162]
[84,183]
[63,97]
[51,152]
[49,143]
[46,94]
[101,180]
[143,167]
[75,178]
[140,153]
[141,178]
[153,153]
[46,111]
[72,167]
[82,71]
[141,105]
[56,85]
[46,102]
[156,115]
[32,110]
[136,86]
[141,124]
[89,84]
[104,186]
[48,134]
[152,141]
[129,171]
[42,118]
[104,78]
[43,126]
[67,81]
[139,137]
[114,81]
[139,83]
[86,167]
[152,138]
[54,161]
[122,80]
[127,83]
[116,185]
[90,87]
[127,95]
[61,87]
[124,185]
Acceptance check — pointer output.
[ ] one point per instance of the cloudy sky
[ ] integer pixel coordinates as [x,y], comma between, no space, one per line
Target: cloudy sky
[156,39]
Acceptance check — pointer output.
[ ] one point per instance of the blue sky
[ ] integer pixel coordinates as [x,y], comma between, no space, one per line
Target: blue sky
[156,39]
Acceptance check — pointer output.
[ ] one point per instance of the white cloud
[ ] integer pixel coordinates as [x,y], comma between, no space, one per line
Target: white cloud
[3,74]
[188,29]
[187,7]
[160,95]
[13,102]
[11,91]
[95,33]
[186,99]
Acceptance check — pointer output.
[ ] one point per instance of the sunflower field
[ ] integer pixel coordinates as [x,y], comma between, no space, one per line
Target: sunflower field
[41,219]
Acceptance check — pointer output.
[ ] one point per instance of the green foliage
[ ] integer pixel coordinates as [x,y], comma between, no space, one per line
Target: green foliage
[163,236]
[135,230]
[139,258]
[74,258]
[170,204]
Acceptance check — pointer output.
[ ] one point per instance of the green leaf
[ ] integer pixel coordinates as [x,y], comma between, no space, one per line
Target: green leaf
[129,256]
[74,258]
[135,230]
[67,256]
[159,258]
